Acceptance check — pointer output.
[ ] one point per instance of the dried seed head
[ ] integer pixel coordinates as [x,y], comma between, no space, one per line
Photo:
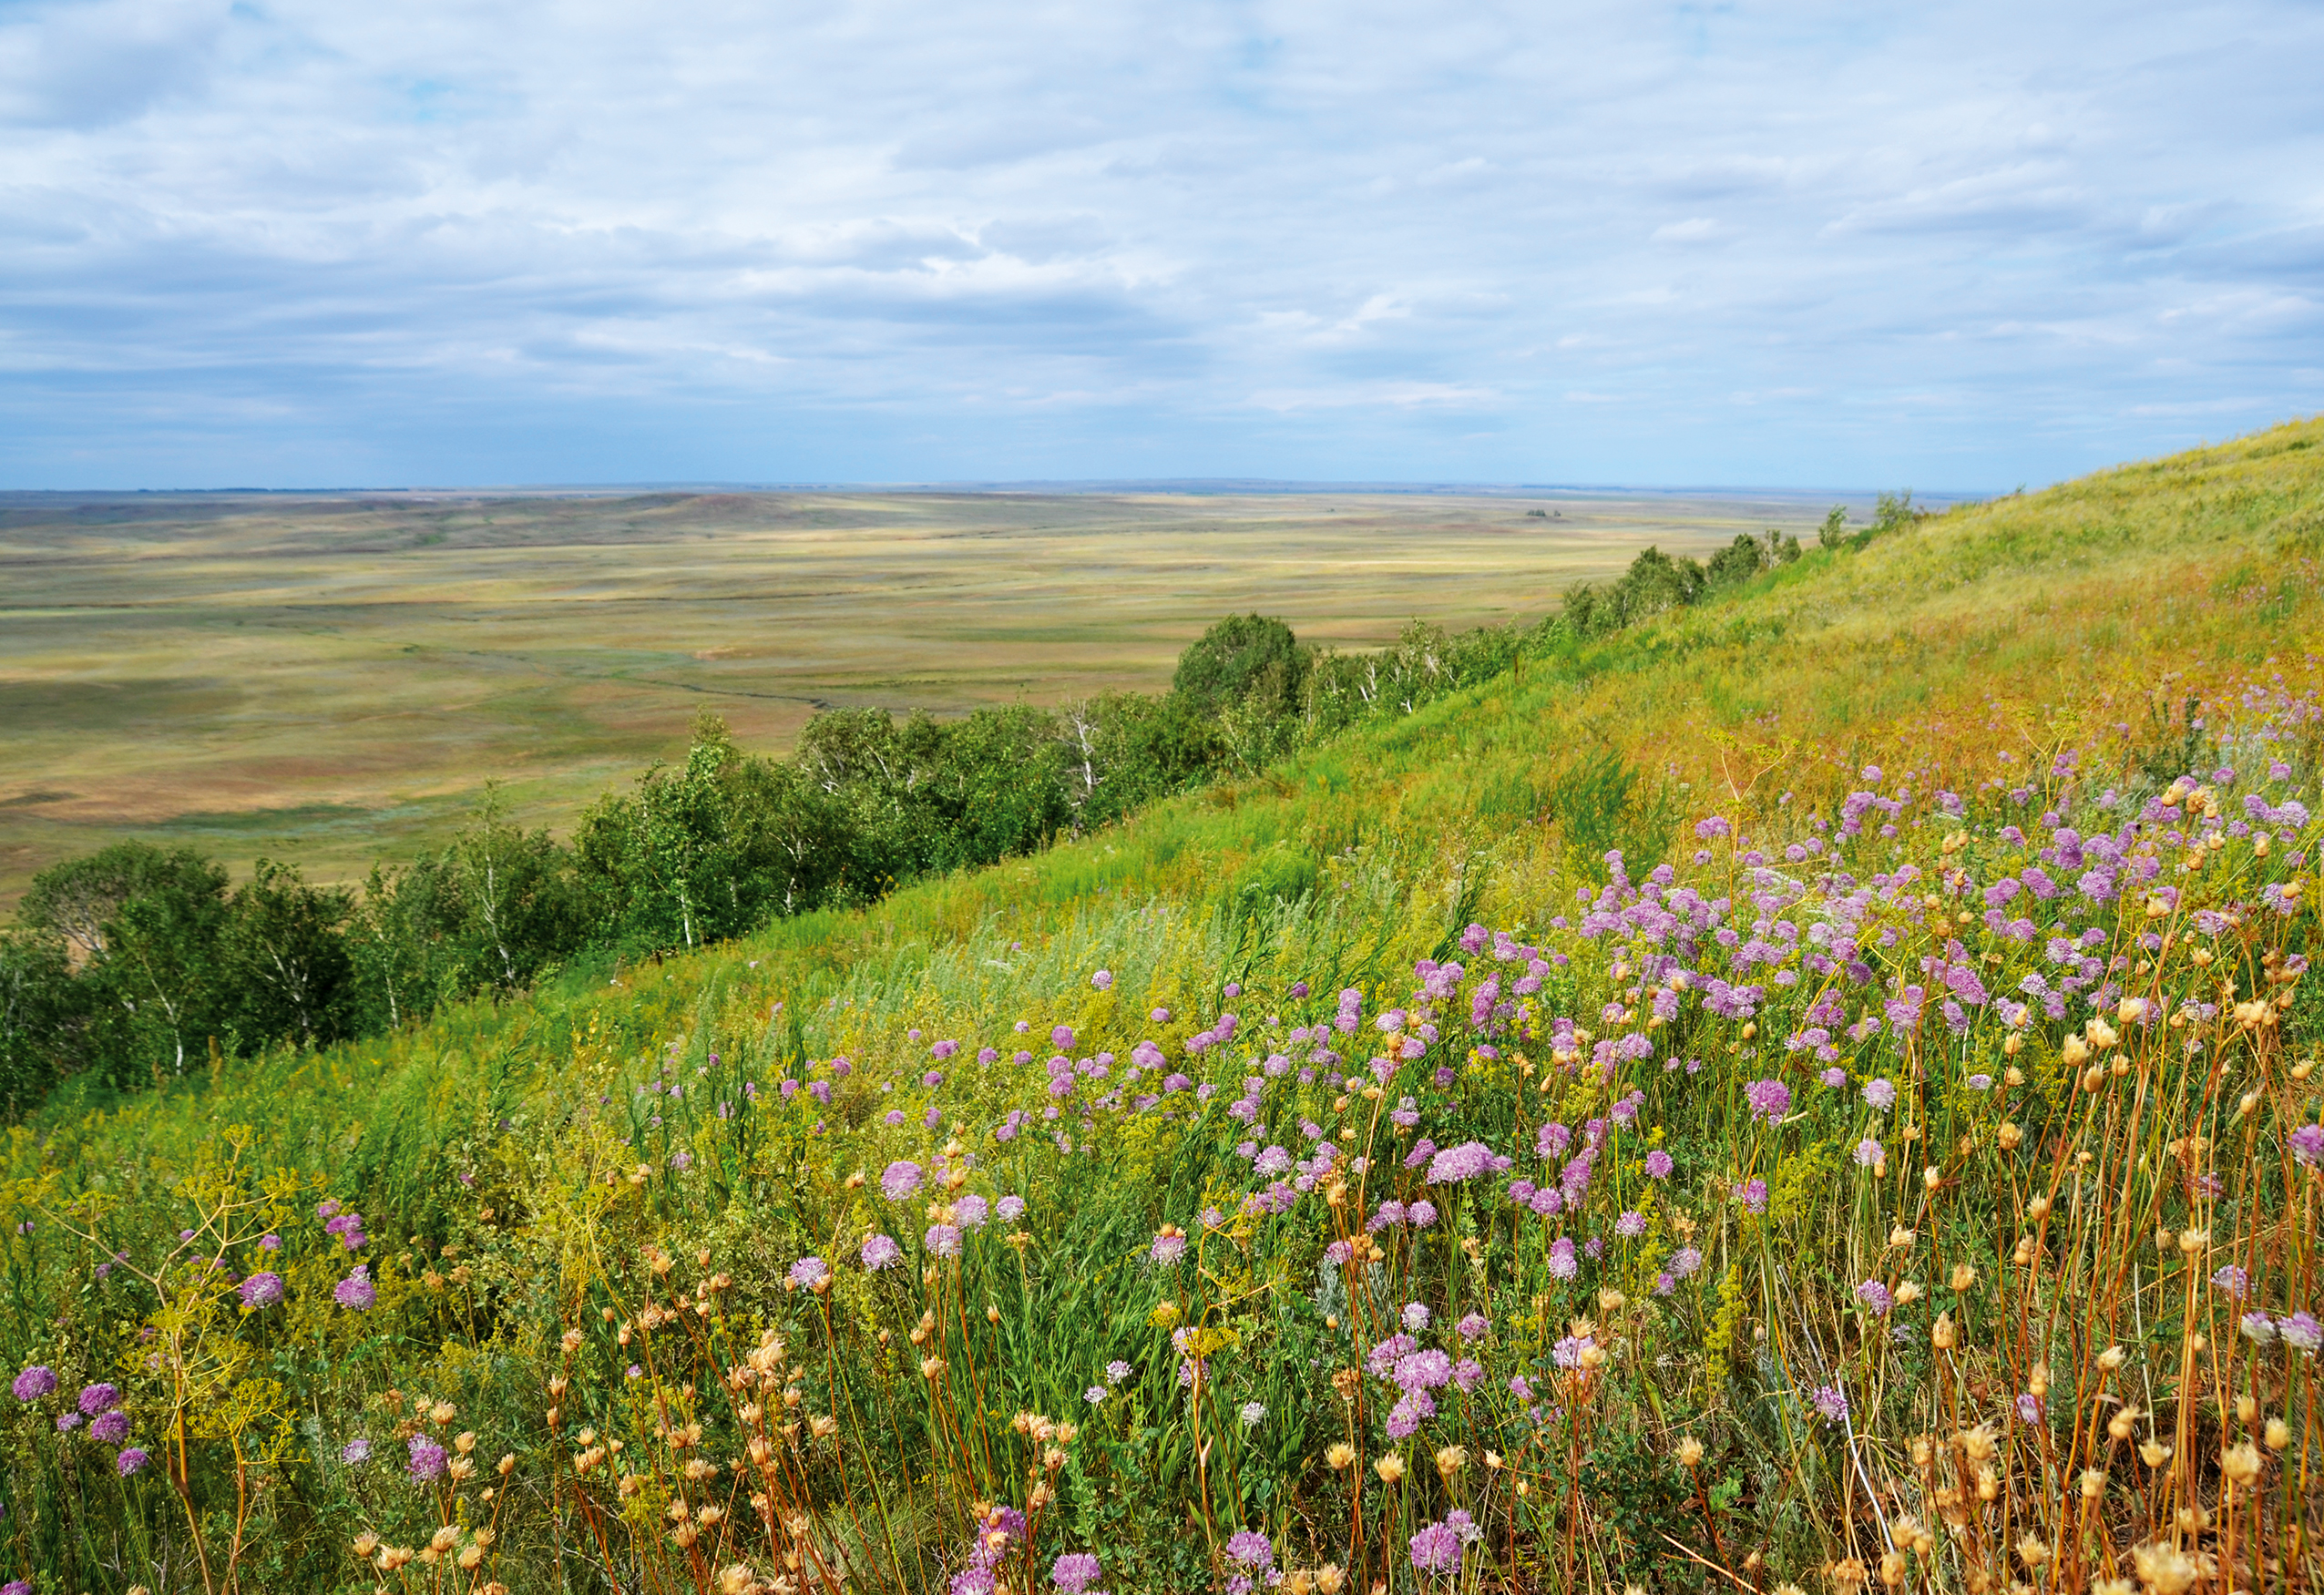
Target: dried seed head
[1690,1452]
[1390,1468]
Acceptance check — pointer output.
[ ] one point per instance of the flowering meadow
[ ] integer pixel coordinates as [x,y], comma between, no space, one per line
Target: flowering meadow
[1895,1164]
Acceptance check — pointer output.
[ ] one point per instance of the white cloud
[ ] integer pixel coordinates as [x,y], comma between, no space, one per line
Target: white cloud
[892,239]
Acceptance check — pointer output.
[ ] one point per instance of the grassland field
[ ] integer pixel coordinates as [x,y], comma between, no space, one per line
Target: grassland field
[331,678]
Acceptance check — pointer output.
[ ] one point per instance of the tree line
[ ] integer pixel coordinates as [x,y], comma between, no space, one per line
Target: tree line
[137,963]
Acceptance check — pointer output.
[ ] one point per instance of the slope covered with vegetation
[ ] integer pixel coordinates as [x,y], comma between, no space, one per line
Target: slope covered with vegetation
[1814,1086]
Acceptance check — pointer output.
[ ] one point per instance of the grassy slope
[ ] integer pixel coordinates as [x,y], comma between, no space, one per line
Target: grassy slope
[2007,628]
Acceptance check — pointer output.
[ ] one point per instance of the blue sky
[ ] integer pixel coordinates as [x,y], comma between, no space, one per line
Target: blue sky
[1854,245]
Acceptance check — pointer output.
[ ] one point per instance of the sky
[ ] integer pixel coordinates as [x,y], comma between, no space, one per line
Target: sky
[1955,248]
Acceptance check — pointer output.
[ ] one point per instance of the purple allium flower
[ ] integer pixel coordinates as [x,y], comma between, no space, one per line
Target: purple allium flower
[1010,1209]
[1422,1214]
[1095,1394]
[1116,1371]
[426,1465]
[1416,1316]
[261,1290]
[879,1251]
[808,1273]
[34,1381]
[130,1461]
[1659,1164]
[1474,1326]
[355,1291]
[2308,1144]
[1880,1093]
[1074,1572]
[971,1212]
[2233,1281]
[1754,1193]
[1631,1224]
[1168,1247]
[1869,1152]
[1102,980]
[110,1427]
[270,1242]
[1464,1162]
[1684,1261]
[1769,1099]
[1251,1548]
[1874,1295]
[1564,1263]
[1423,1370]
[899,1180]
[97,1398]
[1836,1078]
[1436,1549]
[355,1452]
[2300,1331]
[69,1421]
[943,1239]
[1831,1402]
[2029,1408]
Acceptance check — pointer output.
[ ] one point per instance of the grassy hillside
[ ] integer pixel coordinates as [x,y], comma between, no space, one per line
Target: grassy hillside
[1770,1329]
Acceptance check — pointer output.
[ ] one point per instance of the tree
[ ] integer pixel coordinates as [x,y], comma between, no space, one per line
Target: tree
[284,970]
[155,978]
[1244,656]
[1833,533]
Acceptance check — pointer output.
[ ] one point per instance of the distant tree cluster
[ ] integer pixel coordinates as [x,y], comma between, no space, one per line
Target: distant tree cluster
[136,964]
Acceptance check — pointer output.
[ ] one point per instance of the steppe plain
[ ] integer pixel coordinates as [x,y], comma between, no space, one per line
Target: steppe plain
[332,678]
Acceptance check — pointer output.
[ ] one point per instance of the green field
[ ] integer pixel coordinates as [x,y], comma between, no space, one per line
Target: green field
[1870,1140]
[331,679]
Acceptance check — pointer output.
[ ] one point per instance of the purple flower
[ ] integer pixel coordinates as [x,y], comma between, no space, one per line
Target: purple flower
[1422,1214]
[899,1180]
[1563,1264]
[270,1242]
[1474,1326]
[1631,1225]
[1436,1549]
[2300,1331]
[1831,1402]
[1869,1153]
[1659,1164]
[2233,1281]
[355,1291]
[807,1274]
[130,1461]
[97,1398]
[1416,1316]
[34,1381]
[1769,1099]
[1834,1078]
[1464,1162]
[1250,1549]
[1423,1370]
[943,1239]
[1169,1246]
[1874,1295]
[1880,1093]
[1102,980]
[1116,1371]
[110,1427]
[355,1452]
[261,1290]
[1754,1195]
[2308,1144]
[879,1251]
[1074,1572]
[426,1465]
[67,1422]
[1521,1387]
